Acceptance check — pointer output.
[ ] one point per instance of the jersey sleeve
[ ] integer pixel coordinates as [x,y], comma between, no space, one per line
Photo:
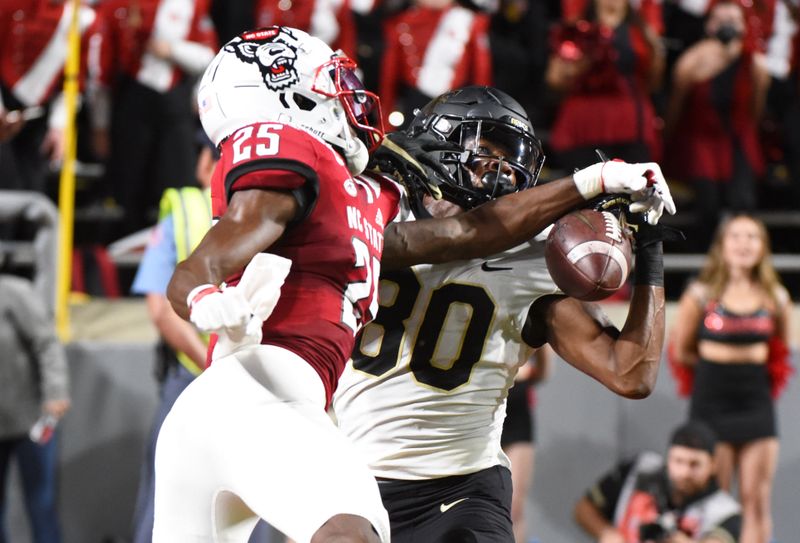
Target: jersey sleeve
[287,162]
[267,178]
[100,49]
[295,178]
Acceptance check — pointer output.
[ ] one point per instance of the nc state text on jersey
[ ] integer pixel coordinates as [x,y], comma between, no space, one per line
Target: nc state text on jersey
[357,221]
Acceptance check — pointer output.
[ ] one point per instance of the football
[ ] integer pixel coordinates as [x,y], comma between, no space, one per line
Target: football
[588,254]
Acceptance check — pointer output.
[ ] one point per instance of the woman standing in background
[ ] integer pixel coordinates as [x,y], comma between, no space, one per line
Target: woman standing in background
[730,337]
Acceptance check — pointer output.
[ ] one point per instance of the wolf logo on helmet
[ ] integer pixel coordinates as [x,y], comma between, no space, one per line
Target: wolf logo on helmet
[284,75]
[274,51]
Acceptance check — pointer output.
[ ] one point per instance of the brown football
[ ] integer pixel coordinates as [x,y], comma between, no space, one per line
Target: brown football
[588,254]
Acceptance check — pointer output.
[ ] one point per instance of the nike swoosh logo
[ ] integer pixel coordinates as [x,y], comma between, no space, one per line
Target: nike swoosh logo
[444,508]
[487,268]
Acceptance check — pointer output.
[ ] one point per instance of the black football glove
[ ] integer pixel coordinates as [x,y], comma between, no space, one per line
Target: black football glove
[649,248]
[647,238]
[643,233]
[413,161]
[646,234]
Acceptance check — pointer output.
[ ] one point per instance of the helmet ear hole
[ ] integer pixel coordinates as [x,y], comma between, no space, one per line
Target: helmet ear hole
[284,75]
[304,103]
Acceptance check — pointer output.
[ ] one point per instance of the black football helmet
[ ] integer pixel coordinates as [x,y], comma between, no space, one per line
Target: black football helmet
[468,117]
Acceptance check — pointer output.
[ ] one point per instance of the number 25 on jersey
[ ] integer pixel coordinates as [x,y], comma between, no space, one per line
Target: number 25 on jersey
[266,142]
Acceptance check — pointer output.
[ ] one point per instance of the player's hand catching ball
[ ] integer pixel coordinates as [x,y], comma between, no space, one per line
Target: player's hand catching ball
[643,181]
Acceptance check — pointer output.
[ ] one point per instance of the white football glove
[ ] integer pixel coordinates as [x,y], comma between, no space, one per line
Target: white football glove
[237,313]
[643,181]
[215,310]
[261,283]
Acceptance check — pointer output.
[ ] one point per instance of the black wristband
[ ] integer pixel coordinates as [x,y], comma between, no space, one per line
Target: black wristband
[650,265]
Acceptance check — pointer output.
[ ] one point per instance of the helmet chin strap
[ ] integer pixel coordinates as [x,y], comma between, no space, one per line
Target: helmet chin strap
[356,156]
[353,150]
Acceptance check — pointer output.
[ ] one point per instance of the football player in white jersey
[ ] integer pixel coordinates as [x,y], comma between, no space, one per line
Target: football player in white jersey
[423,397]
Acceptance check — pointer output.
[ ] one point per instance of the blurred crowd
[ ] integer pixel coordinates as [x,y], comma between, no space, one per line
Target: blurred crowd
[709,88]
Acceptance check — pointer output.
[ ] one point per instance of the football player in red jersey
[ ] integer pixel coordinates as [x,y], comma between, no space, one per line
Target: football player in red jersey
[250,437]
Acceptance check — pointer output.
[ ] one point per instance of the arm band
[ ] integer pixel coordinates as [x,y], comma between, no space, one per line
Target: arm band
[650,265]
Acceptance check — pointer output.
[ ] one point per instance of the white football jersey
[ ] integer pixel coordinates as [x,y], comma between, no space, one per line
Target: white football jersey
[424,395]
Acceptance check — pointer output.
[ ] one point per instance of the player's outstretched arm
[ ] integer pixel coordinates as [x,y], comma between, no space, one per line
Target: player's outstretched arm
[488,229]
[514,219]
[254,220]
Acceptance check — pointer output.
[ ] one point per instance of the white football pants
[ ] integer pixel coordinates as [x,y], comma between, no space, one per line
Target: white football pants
[250,438]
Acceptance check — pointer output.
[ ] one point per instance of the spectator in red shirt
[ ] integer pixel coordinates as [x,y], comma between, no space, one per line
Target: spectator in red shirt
[605,67]
[329,20]
[433,47]
[717,97]
[144,61]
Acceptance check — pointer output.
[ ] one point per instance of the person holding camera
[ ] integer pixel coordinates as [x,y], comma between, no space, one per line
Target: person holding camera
[718,94]
[653,500]
[604,66]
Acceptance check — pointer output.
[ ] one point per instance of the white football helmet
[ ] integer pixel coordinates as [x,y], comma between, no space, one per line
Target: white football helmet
[284,75]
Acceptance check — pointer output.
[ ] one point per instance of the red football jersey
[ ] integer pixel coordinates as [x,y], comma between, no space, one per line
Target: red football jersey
[335,244]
